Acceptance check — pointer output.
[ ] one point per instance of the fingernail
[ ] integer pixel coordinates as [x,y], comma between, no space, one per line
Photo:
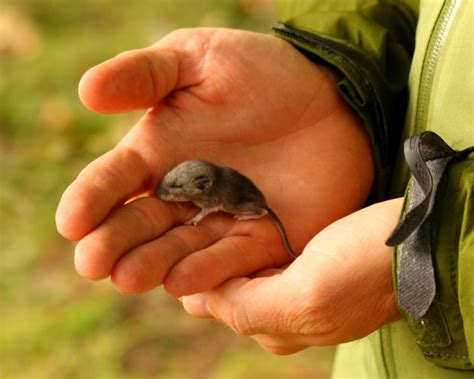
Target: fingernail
[195,305]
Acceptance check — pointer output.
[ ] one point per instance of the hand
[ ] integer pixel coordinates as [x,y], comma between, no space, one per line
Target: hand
[338,291]
[246,100]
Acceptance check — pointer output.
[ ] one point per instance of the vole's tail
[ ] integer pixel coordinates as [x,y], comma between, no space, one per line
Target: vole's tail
[283,234]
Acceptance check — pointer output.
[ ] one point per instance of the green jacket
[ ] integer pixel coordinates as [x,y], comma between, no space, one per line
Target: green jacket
[406,67]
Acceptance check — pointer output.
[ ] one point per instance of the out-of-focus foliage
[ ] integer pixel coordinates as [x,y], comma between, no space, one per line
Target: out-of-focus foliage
[55,324]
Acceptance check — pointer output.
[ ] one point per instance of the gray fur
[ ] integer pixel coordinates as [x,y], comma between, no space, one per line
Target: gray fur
[213,188]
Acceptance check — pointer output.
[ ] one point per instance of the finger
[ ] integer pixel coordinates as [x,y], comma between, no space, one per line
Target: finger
[145,267]
[128,227]
[139,79]
[249,306]
[104,184]
[281,344]
[136,79]
[266,272]
[230,257]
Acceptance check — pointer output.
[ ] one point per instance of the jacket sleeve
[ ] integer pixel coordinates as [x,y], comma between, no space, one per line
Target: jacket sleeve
[370,43]
[463,179]
[434,241]
[454,257]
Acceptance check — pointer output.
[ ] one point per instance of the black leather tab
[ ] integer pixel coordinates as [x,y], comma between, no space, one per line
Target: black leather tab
[418,150]
[427,156]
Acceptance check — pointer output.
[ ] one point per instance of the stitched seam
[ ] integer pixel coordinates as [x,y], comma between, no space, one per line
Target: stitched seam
[444,356]
[452,251]
[453,255]
[435,45]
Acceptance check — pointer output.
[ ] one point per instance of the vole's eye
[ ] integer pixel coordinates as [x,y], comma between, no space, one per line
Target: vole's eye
[176,185]
[202,182]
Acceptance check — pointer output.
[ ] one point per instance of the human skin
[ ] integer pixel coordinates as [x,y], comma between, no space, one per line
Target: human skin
[252,102]
[339,290]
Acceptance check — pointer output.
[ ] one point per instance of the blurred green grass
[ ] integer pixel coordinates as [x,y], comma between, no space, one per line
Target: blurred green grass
[55,324]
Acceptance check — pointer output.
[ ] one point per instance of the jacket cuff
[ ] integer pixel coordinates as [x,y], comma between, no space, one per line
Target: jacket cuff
[379,101]
[434,259]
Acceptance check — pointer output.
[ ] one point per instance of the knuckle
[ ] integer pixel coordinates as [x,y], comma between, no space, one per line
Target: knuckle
[130,278]
[316,316]
[240,322]
[95,254]
[111,170]
[106,176]
[142,212]
[89,262]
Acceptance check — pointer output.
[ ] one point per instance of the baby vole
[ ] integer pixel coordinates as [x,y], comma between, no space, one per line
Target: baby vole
[214,188]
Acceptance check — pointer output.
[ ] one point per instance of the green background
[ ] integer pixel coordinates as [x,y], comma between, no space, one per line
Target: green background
[54,324]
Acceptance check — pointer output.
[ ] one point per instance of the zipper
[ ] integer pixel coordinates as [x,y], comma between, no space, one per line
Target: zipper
[436,42]
[433,51]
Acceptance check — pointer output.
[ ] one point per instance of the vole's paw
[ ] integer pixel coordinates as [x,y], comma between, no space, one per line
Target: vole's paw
[246,217]
[191,222]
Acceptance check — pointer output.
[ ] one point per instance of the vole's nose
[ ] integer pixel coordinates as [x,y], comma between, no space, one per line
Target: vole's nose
[160,191]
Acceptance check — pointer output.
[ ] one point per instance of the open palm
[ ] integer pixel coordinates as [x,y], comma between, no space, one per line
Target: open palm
[235,98]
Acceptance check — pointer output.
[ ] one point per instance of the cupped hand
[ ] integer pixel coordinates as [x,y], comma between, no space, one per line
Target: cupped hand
[339,290]
[241,99]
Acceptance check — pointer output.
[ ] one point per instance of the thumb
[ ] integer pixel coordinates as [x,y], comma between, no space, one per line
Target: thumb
[248,306]
[132,80]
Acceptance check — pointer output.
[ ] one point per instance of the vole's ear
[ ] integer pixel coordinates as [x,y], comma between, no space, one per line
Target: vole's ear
[202,182]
